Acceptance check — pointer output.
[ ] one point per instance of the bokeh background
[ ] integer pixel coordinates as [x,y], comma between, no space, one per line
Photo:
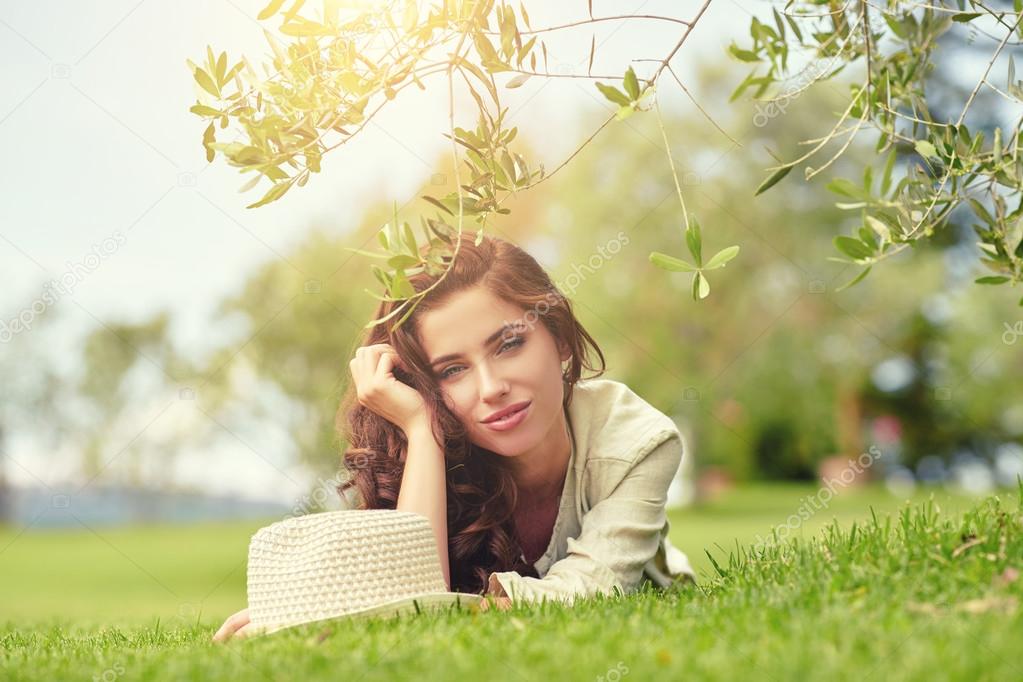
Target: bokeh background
[180,391]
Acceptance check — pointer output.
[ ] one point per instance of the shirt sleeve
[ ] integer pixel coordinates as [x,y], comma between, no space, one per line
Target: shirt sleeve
[618,536]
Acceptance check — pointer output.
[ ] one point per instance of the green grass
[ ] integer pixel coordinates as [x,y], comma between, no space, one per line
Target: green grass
[917,593]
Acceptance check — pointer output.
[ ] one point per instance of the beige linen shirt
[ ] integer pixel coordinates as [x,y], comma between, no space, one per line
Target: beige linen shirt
[611,532]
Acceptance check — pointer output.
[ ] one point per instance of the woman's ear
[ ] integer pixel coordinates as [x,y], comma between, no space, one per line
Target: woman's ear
[565,353]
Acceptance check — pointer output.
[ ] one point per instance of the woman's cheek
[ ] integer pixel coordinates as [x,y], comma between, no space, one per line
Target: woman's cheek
[458,402]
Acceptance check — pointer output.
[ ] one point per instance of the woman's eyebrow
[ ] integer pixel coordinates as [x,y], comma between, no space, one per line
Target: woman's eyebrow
[490,340]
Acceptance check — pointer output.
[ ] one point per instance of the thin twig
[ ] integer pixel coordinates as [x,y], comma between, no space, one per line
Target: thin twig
[826,138]
[702,111]
[594,20]
[671,161]
[681,42]
[962,117]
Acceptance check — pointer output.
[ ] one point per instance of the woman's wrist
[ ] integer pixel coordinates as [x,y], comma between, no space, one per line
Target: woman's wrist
[419,429]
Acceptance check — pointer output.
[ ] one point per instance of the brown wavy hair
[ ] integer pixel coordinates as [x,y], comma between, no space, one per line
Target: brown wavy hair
[481,493]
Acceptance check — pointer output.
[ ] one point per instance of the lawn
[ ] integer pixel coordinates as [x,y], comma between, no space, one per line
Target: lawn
[909,591]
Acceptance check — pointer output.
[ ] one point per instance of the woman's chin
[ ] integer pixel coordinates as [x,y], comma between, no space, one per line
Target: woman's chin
[506,446]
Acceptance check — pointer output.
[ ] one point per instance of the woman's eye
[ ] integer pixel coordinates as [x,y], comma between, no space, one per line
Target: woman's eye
[512,343]
[447,372]
[507,345]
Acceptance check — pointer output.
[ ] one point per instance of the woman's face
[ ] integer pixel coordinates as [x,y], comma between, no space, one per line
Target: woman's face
[487,356]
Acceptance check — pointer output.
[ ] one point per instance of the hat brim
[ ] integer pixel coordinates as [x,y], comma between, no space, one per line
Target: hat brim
[396,606]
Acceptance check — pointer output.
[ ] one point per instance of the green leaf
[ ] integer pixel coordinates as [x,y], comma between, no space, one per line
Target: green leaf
[379,273]
[203,110]
[624,112]
[402,261]
[273,194]
[613,94]
[694,241]
[485,48]
[385,318]
[886,179]
[206,82]
[742,55]
[248,155]
[926,149]
[981,212]
[880,228]
[853,248]
[300,27]
[868,178]
[964,17]
[721,258]
[1013,236]
[701,287]
[438,204]
[994,279]
[221,67]
[778,22]
[631,84]
[208,138]
[508,31]
[858,278]
[666,262]
[270,10]
[517,81]
[410,241]
[293,11]
[741,87]
[408,312]
[772,180]
[249,184]
[847,188]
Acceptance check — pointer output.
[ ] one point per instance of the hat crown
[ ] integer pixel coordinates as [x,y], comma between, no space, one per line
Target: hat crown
[339,563]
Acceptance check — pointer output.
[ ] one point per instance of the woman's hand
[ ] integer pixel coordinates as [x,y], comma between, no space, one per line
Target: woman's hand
[378,390]
[237,625]
[500,603]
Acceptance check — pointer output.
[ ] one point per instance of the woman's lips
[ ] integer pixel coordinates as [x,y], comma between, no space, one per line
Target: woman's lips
[509,422]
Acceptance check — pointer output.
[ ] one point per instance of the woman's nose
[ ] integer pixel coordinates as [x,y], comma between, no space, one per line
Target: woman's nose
[491,386]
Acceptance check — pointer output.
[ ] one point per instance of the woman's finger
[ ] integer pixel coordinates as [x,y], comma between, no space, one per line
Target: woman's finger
[231,625]
[499,603]
[247,630]
[385,365]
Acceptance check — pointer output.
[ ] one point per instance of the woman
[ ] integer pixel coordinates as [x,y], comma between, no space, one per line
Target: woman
[537,483]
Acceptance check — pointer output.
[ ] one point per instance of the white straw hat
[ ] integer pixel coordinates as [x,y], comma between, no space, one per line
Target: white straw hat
[355,562]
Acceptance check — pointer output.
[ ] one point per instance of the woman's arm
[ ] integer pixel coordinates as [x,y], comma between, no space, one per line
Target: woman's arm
[423,488]
[619,534]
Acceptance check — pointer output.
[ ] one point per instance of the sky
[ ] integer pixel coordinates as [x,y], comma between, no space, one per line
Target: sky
[105,177]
